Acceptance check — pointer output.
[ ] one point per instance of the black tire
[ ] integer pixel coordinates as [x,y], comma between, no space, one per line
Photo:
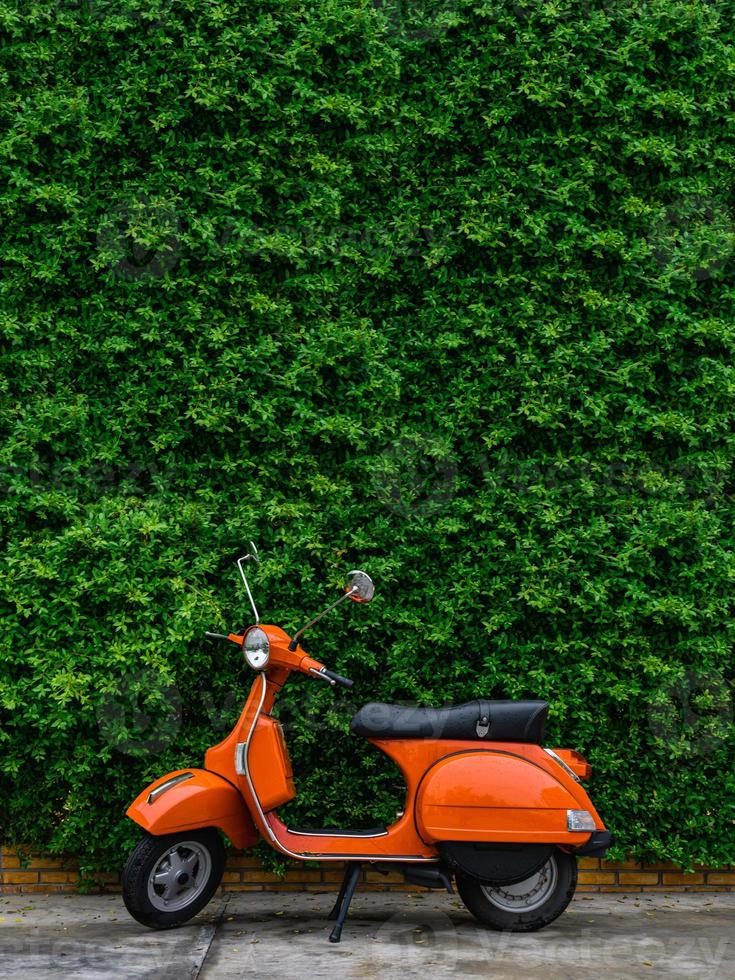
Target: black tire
[488,903]
[162,856]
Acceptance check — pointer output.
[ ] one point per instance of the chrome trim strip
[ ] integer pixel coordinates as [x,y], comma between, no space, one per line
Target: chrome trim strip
[563,764]
[314,833]
[242,749]
[309,855]
[363,858]
[169,784]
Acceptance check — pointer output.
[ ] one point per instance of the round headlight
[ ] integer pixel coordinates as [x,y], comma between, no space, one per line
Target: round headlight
[257,648]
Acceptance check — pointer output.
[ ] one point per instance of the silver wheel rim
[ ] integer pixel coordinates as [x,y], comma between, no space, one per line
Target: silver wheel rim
[179,877]
[526,895]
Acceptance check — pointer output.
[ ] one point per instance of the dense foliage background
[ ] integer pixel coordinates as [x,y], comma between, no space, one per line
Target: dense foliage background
[440,289]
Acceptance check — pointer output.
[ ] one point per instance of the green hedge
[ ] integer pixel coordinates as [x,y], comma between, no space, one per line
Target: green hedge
[439,289]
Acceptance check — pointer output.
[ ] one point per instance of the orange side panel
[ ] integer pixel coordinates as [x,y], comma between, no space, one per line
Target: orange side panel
[205,800]
[270,765]
[493,796]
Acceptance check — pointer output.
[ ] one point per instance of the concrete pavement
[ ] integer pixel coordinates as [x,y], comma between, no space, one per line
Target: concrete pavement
[268,934]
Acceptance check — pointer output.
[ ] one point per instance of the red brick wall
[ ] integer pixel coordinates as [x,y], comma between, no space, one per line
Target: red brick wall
[244,873]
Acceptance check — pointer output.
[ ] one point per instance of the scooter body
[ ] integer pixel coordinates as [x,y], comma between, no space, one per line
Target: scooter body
[485,802]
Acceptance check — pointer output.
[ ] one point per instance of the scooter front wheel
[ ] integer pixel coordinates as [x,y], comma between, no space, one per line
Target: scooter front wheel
[526,905]
[168,879]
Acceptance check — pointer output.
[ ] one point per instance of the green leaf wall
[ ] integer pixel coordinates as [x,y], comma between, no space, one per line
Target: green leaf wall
[441,289]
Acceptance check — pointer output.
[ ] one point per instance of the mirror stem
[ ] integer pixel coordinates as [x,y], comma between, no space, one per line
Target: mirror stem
[295,641]
[247,587]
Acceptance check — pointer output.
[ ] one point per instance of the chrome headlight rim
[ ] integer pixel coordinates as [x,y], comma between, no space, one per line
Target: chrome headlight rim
[256,648]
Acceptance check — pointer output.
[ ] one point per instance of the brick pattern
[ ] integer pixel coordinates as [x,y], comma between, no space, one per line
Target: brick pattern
[596,875]
[245,873]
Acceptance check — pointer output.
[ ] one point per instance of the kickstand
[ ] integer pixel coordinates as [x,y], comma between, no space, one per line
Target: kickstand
[342,888]
[341,906]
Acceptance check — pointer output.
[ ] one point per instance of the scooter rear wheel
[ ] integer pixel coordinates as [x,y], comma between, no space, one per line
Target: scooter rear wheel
[527,905]
[168,879]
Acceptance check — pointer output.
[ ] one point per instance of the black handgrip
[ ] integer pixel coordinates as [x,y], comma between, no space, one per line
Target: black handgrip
[337,678]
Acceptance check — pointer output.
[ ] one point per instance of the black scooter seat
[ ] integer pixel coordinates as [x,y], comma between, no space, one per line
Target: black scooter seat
[495,721]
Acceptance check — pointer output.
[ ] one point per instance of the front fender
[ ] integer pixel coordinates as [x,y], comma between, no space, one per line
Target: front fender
[195,798]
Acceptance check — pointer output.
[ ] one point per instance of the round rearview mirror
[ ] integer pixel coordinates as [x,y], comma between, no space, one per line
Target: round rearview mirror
[359,586]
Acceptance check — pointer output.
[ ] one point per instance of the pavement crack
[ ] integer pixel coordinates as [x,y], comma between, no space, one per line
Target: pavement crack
[216,923]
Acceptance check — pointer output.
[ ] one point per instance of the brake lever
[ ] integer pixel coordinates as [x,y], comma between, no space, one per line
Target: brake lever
[331,678]
[322,676]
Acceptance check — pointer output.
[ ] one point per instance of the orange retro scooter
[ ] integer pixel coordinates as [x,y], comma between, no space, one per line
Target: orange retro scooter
[485,803]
